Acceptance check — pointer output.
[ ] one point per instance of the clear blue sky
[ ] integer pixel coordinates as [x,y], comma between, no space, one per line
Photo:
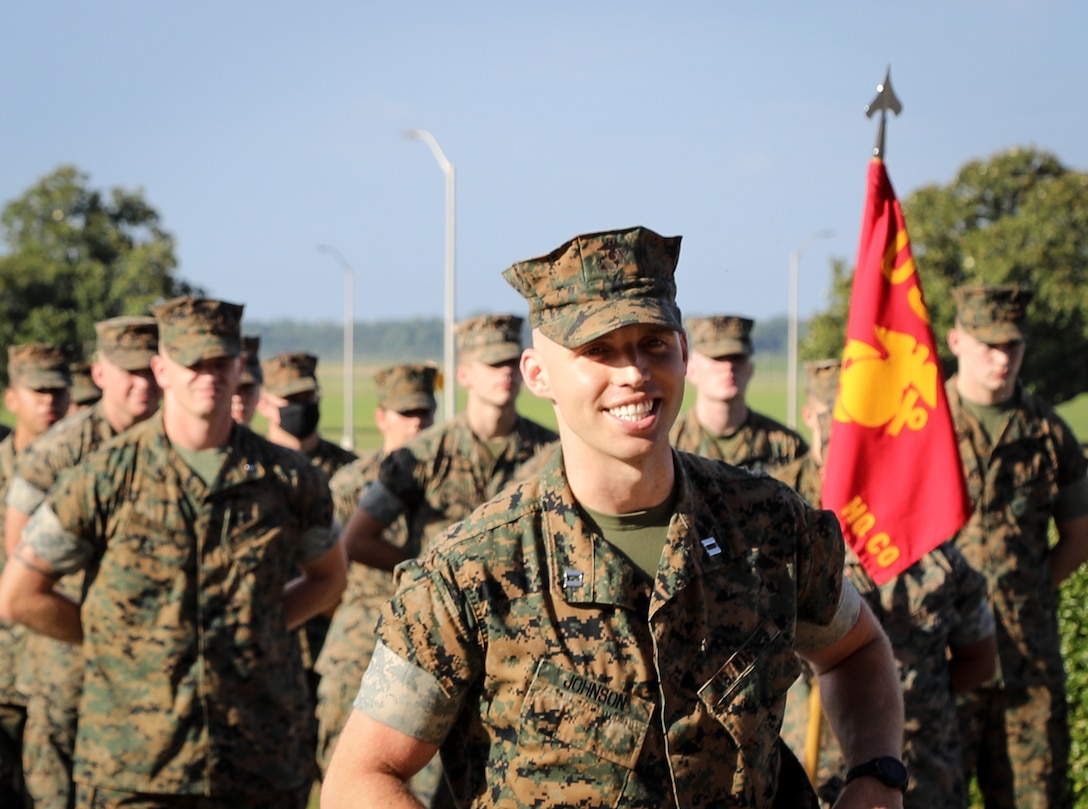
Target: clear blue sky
[261,129]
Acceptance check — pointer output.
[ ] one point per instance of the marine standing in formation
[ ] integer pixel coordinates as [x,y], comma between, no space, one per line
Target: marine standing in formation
[1023,466]
[406,405]
[207,544]
[937,617]
[52,672]
[621,629]
[37,395]
[440,476]
[720,424]
[290,401]
[244,402]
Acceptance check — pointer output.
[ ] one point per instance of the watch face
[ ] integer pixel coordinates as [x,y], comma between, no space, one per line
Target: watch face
[888,770]
[891,771]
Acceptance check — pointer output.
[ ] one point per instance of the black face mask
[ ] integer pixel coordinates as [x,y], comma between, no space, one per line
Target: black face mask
[300,418]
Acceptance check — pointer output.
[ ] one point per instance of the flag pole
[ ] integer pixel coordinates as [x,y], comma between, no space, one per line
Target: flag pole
[884,100]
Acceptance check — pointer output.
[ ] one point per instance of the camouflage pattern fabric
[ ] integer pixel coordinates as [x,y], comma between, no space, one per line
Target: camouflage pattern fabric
[571,681]
[937,603]
[12,636]
[1016,741]
[329,458]
[289,373]
[12,650]
[762,443]
[350,640]
[490,339]
[52,673]
[38,366]
[1014,482]
[192,683]
[720,335]
[993,314]
[196,329]
[251,371]
[445,472]
[90,797]
[411,386]
[599,282]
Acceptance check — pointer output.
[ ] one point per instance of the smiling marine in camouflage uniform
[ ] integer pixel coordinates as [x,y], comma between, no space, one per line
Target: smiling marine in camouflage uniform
[553,668]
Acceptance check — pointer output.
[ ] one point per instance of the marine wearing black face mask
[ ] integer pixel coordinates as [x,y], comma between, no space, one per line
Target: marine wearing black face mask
[300,418]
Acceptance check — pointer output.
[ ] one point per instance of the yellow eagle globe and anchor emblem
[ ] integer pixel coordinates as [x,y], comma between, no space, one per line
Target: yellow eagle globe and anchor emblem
[882,385]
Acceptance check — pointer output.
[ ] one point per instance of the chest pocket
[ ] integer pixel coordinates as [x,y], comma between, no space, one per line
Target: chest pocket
[748,692]
[252,521]
[576,731]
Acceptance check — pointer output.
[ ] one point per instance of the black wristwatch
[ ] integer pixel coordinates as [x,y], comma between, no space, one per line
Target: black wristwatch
[886,769]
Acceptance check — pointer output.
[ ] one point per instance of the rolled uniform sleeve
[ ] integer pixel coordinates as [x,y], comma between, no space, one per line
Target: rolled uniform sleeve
[827,604]
[976,618]
[381,503]
[65,551]
[313,505]
[24,496]
[427,657]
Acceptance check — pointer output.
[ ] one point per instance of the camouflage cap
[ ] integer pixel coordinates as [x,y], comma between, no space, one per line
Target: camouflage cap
[196,329]
[251,373]
[128,342]
[720,335]
[823,380]
[84,391]
[490,339]
[38,366]
[289,373]
[993,314]
[407,387]
[599,282]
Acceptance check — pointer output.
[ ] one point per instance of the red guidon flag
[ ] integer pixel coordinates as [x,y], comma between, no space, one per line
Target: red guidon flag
[893,473]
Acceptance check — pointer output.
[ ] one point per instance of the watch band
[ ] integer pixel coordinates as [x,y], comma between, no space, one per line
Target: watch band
[889,770]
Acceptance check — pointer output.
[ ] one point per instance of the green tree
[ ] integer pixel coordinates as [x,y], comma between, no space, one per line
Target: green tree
[1020,218]
[76,256]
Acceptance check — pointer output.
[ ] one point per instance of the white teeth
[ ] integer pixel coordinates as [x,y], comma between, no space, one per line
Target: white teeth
[632,412]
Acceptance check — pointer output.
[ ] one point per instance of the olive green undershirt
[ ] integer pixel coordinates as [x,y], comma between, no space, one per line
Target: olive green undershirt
[990,417]
[206,463]
[640,535]
[728,443]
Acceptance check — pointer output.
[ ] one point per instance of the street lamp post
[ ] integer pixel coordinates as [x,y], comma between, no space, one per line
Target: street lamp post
[791,348]
[449,390]
[348,440]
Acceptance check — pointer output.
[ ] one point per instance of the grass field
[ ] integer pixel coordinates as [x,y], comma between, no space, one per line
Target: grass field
[767,394]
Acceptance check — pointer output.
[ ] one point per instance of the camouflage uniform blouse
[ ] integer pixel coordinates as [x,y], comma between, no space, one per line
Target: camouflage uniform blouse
[559,677]
[51,668]
[762,443]
[938,602]
[330,457]
[1033,470]
[192,684]
[351,638]
[12,635]
[443,473]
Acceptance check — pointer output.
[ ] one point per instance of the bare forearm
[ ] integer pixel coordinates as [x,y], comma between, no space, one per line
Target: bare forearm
[863,701]
[14,523]
[364,542]
[369,790]
[49,613]
[318,588]
[1071,550]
